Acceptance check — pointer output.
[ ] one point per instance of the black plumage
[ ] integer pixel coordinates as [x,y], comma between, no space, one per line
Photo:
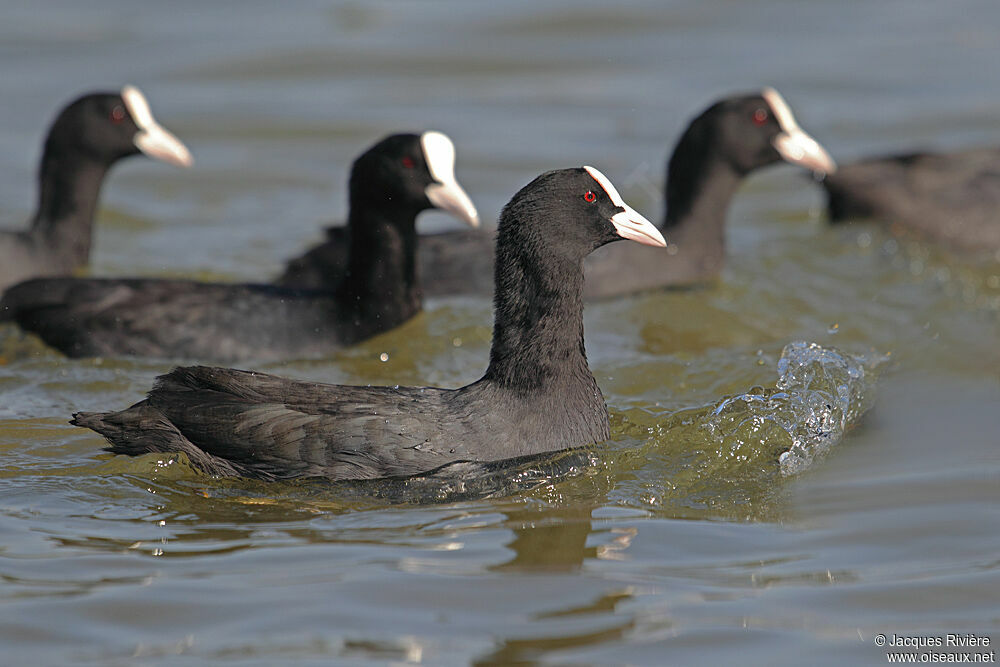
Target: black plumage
[948,198]
[87,137]
[720,147]
[390,185]
[537,395]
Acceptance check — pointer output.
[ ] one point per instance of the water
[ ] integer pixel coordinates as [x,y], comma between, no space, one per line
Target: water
[747,510]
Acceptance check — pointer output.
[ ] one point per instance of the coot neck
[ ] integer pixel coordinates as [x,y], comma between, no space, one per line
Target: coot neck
[381,284]
[538,317]
[700,187]
[69,189]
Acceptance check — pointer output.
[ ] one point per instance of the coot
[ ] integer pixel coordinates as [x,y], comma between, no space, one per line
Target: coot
[947,198]
[88,136]
[390,184]
[536,396]
[721,146]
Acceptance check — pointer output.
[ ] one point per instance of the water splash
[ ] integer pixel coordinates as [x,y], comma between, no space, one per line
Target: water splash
[819,394]
[727,458]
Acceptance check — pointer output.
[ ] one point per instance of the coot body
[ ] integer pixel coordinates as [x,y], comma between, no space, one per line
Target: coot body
[537,395]
[947,198]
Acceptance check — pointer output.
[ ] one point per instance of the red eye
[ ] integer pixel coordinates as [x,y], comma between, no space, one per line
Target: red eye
[117,114]
[589,197]
[408,162]
[760,116]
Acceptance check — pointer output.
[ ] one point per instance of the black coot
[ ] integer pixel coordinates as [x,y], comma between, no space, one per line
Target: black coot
[718,150]
[537,395]
[89,135]
[391,183]
[947,198]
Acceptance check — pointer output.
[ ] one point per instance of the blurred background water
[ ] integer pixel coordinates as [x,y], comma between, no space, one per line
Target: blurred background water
[681,541]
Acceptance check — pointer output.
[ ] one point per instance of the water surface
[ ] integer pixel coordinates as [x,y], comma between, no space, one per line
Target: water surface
[674,543]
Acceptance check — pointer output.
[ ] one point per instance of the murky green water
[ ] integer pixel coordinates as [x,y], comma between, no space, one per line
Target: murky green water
[680,541]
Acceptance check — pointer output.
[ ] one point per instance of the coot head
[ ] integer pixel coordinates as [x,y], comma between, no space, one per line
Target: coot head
[547,229]
[748,132]
[575,211]
[411,171]
[105,127]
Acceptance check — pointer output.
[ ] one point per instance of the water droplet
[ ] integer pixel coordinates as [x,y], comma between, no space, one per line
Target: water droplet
[456,341]
[384,356]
